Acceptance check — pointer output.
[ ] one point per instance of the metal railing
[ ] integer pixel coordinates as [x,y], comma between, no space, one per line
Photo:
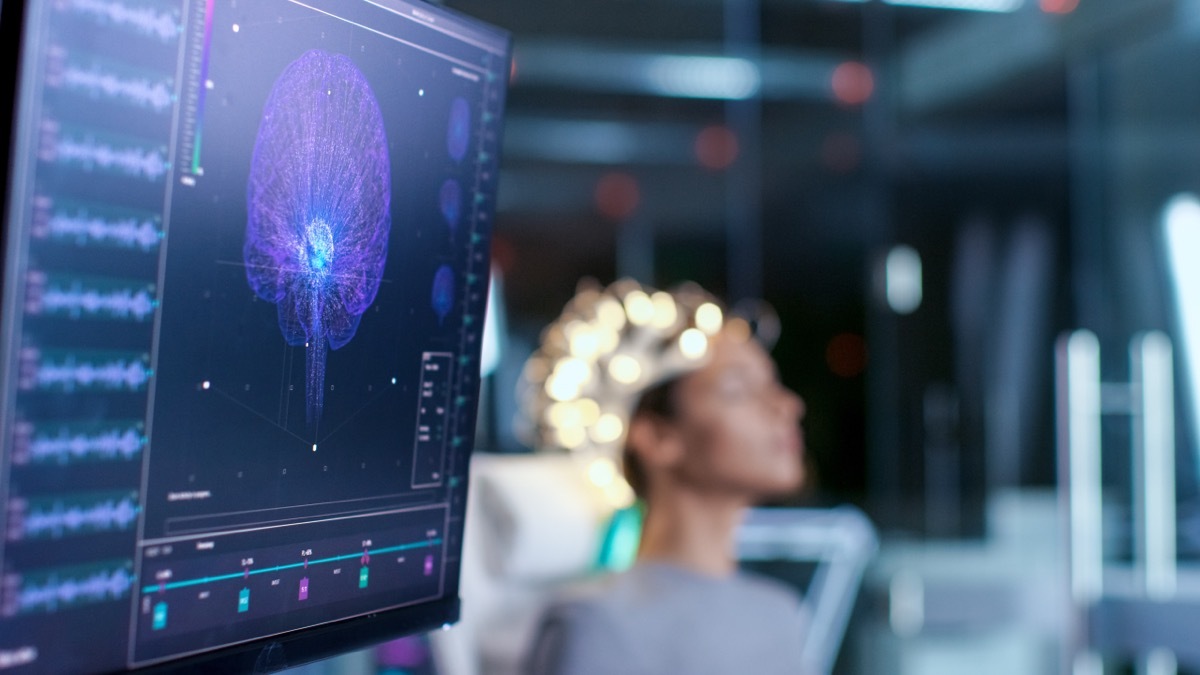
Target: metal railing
[1146,619]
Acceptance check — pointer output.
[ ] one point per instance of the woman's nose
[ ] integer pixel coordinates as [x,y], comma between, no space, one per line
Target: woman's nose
[791,403]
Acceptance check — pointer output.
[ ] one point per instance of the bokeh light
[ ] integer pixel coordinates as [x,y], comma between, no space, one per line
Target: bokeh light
[617,195]
[846,354]
[716,147]
[1059,6]
[853,83]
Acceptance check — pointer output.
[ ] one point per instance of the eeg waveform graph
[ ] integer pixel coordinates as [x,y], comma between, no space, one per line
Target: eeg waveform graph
[100,79]
[148,19]
[94,225]
[65,443]
[68,370]
[62,588]
[71,515]
[89,297]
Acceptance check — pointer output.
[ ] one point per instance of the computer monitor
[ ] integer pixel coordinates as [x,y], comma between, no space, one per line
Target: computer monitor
[245,269]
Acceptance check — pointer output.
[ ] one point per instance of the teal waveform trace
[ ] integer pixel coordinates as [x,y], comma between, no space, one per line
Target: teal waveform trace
[67,587]
[138,17]
[70,515]
[65,443]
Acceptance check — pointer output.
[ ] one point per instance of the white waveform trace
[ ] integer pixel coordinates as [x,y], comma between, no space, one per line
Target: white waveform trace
[60,519]
[64,446]
[126,232]
[130,160]
[96,587]
[143,20]
[121,303]
[141,91]
[118,374]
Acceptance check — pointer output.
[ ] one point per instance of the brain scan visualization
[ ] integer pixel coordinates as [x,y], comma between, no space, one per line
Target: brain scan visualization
[450,198]
[443,292]
[458,135]
[318,207]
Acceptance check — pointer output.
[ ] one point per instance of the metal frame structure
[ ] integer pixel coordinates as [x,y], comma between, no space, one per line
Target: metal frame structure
[841,541]
[1137,611]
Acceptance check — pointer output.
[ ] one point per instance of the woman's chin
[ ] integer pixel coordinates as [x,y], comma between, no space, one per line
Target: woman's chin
[784,481]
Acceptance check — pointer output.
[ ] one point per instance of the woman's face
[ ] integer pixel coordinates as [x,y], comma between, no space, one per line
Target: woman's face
[740,426]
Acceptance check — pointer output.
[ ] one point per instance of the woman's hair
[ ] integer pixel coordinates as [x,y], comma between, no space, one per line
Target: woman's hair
[657,401]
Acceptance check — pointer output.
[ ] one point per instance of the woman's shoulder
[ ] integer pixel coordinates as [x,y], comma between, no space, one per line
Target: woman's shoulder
[582,631]
[595,596]
[768,590]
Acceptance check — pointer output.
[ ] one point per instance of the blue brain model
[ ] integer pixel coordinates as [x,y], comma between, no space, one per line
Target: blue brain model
[458,133]
[443,292]
[450,198]
[318,207]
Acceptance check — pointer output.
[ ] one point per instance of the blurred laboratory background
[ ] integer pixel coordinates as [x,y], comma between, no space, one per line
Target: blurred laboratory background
[978,223]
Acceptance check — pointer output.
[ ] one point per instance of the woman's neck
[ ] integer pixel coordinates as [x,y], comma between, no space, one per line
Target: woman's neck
[696,532]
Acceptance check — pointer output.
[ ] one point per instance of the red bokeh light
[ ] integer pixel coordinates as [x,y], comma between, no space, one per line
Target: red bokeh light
[716,147]
[846,354]
[1059,6]
[504,254]
[853,83]
[617,195]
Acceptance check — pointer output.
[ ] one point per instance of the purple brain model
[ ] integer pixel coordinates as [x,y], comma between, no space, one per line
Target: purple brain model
[317,202]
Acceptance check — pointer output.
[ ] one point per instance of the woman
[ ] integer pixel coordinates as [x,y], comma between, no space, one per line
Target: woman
[699,450]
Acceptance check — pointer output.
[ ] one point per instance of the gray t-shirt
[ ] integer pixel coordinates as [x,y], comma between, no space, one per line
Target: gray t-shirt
[660,619]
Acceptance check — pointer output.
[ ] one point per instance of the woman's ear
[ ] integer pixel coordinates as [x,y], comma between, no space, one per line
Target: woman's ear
[655,441]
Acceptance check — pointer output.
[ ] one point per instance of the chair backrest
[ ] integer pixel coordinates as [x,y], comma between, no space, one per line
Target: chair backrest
[533,522]
[833,546]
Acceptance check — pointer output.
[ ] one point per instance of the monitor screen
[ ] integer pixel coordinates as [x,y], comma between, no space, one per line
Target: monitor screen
[245,270]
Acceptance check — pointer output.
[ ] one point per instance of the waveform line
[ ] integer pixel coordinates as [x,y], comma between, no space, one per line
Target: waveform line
[63,447]
[212,578]
[132,161]
[96,587]
[140,91]
[119,303]
[142,20]
[131,374]
[62,517]
[123,232]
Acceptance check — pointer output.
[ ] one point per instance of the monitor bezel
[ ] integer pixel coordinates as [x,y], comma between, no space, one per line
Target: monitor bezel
[12,23]
[316,643]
